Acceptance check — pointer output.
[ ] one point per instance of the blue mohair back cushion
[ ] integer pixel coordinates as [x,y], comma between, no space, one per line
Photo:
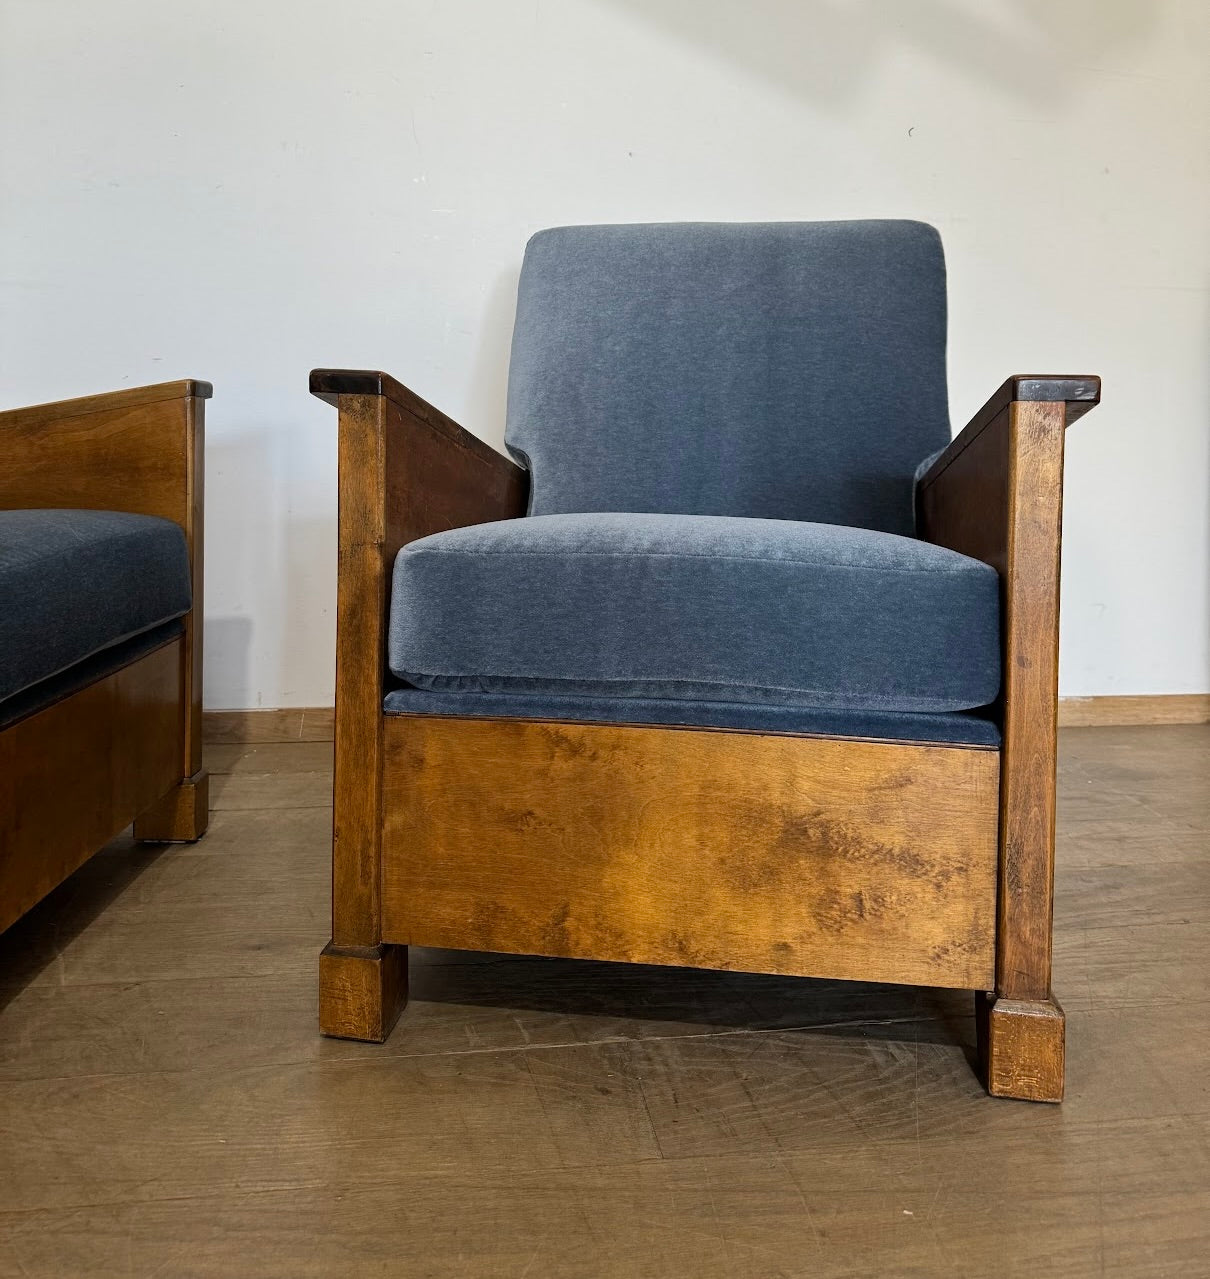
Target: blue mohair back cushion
[72,583]
[791,370]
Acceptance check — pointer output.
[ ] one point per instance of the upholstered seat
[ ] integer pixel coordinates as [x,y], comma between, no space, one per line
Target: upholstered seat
[701,608]
[759,397]
[75,583]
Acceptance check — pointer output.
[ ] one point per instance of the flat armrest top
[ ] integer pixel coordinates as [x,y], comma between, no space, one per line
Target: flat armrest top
[133,397]
[330,384]
[1078,393]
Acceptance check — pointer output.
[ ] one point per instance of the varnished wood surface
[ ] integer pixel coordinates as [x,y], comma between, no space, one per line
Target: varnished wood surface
[400,478]
[1031,690]
[166,1105]
[773,854]
[1160,708]
[118,452]
[132,397]
[997,494]
[1022,1046]
[404,471]
[290,724]
[191,650]
[180,816]
[138,450]
[73,775]
[1077,395]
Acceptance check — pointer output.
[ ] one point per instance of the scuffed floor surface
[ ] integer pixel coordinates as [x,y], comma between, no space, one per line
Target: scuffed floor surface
[167,1107]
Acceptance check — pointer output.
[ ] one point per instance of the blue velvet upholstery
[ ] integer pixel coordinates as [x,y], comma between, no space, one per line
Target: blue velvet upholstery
[37,697]
[780,370]
[73,583]
[964,727]
[702,608]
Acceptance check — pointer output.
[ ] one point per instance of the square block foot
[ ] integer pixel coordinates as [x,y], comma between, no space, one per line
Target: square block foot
[1021,1045]
[179,817]
[362,991]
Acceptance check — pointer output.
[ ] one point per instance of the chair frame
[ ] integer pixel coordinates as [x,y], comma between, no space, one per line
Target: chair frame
[811,855]
[127,747]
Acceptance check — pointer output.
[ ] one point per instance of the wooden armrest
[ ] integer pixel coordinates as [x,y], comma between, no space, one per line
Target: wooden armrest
[406,469]
[963,500]
[132,450]
[1076,394]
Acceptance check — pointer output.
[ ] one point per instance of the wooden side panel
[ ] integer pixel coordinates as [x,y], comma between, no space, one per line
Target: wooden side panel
[128,458]
[811,856]
[77,773]
[141,450]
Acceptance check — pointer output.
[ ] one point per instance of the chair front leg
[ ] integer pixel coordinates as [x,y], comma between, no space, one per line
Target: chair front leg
[996,494]
[405,470]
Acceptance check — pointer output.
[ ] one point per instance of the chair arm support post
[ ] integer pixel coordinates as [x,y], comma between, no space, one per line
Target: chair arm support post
[996,494]
[405,470]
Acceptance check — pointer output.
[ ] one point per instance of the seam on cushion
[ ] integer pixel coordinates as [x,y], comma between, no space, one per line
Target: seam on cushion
[709,683]
[96,652]
[677,555]
[512,694]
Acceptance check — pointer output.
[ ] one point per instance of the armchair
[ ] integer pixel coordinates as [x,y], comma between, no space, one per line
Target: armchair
[722,675]
[100,630]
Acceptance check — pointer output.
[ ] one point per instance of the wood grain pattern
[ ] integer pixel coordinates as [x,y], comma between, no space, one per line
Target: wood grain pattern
[405,470]
[1022,1042]
[106,401]
[288,724]
[997,494]
[142,451]
[126,451]
[179,817]
[1077,394]
[363,991]
[1160,708]
[775,854]
[75,774]
[999,499]
[1031,692]
[167,1108]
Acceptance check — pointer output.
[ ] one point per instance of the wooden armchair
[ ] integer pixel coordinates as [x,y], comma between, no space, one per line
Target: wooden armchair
[813,832]
[100,630]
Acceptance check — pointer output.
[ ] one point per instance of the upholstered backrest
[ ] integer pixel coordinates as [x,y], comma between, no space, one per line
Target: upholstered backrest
[791,370]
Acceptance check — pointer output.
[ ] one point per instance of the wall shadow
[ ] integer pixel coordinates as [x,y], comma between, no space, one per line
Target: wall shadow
[488,382]
[1036,51]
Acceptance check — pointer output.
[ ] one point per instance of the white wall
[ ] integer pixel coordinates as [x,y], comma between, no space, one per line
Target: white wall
[241,190]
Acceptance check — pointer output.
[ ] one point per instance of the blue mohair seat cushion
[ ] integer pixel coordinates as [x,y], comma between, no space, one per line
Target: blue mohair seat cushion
[73,583]
[708,608]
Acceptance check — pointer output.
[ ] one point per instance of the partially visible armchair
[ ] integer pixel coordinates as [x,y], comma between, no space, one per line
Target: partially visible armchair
[718,672]
[100,630]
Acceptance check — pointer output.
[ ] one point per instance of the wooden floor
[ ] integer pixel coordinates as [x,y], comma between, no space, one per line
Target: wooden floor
[167,1108]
